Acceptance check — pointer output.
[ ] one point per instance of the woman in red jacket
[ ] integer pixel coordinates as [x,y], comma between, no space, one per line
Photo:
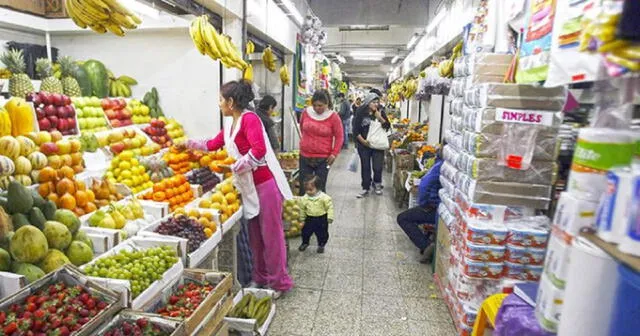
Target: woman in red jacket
[321,141]
[260,180]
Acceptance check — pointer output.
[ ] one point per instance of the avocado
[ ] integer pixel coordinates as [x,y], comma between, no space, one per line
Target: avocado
[49,210]
[19,220]
[37,218]
[19,198]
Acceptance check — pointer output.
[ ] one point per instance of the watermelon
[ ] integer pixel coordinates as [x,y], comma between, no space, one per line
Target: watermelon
[97,74]
[83,80]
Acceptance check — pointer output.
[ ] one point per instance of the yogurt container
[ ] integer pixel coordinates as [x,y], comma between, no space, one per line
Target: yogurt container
[522,272]
[490,253]
[482,270]
[478,232]
[529,232]
[524,255]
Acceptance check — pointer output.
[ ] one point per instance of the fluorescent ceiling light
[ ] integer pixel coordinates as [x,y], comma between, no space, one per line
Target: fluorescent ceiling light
[141,8]
[366,53]
[395,59]
[436,21]
[412,42]
[364,27]
[367,58]
[292,11]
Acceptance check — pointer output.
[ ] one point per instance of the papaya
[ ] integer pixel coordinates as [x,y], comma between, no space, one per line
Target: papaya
[81,76]
[5,260]
[19,199]
[29,271]
[49,210]
[37,218]
[38,201]
[97,74]
[28,244]
[19,220]
[68,218]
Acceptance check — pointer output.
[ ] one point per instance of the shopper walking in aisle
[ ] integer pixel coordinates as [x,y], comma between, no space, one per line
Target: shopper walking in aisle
[260,180]
[356,105]
[371,156]
[345,116]
[265,108]
[316,211]
[425,213]
[321,140]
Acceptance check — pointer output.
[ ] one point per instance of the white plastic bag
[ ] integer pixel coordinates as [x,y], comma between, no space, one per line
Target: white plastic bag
[353,163]
[377,137]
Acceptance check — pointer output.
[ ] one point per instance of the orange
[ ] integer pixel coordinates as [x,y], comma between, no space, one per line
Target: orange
[230,197]
[208,232]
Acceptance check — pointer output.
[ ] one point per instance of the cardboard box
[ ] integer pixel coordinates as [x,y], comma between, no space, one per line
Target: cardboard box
[55,9]
[201,316]
[405,161]
[249,327]
[172,327]
[123,287]
[443,246]
[36,7]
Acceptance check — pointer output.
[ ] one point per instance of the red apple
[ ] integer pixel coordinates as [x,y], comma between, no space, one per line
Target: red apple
[66,100]
[116,123]
[126,113]
[111,114]
[56,99]
[49,148]
[44,124]
[106,104]
[62,112]
[54,121]
[40,113]
[50,110]
[71,111]
[71,122]
[62,124]
[44,98]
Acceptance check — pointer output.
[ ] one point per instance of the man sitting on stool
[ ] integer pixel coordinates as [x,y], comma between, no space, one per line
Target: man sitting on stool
[425,213]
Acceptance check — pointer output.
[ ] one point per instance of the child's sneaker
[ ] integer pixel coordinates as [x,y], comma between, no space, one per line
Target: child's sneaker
[303,247]
[363,194]
[320,249]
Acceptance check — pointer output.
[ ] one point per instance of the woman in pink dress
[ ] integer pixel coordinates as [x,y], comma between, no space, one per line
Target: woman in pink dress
[260,180]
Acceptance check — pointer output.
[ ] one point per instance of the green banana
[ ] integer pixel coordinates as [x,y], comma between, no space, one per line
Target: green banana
[240,305]
[127,80]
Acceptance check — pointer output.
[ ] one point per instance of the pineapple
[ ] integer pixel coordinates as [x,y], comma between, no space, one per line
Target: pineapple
[19,83]
[45,71]
[70,84]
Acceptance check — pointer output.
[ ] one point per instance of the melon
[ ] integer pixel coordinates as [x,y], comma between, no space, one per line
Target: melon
[9,147]
[5,181]
[6,166]
[23,166]
[38,160]
[27,146]
[25,180]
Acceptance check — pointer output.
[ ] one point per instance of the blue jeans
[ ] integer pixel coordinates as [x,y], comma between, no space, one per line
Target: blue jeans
[410,220]
[345,128]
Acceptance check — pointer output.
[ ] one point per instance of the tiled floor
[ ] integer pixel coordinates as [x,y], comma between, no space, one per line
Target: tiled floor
[368,282]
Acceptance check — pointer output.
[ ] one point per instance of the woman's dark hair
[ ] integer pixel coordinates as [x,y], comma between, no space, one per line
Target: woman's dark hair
[241,91]
[321,96]
[266,103]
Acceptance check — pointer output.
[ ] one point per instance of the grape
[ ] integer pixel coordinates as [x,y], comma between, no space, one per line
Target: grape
[132,266]
[183,227]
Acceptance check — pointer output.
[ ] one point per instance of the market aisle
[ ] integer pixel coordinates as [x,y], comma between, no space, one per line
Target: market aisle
[368,282]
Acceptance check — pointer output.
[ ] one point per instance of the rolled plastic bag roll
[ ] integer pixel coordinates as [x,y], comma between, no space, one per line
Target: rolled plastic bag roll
[590,291]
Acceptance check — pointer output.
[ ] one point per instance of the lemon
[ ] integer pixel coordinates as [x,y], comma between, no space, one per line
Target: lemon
[124,165]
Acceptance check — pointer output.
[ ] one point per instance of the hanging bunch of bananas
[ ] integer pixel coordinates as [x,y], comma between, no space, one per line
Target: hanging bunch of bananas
[102,15]
[248,73]
[343,87]
[269,59]
[410,88]
[284,75]
[250,47]
[219,47]
[445,68]
[120,86]
[394,94]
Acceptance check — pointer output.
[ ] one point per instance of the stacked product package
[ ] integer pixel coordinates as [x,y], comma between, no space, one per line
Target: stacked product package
[600,191]
[499,169]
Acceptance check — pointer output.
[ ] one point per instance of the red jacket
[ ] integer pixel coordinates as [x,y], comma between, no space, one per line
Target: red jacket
[321,138]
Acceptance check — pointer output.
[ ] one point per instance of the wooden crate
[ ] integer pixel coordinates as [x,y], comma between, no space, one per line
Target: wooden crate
[215,324]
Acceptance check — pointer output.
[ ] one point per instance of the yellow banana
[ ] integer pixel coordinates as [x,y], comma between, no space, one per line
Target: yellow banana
[114,28]
[97,13]
[220,44]
[194,31]
[250,48]
[79,13]
[210,43]
[98,28]
[99,5]
[123,20]
[248,73]
[116,6]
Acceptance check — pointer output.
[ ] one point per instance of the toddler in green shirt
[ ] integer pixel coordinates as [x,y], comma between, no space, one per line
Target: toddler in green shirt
[316,211]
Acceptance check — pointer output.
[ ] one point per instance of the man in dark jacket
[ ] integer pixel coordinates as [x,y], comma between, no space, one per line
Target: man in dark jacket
[426,212]
[345,115]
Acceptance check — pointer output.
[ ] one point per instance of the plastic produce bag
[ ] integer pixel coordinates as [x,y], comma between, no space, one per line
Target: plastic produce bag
[353,162]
